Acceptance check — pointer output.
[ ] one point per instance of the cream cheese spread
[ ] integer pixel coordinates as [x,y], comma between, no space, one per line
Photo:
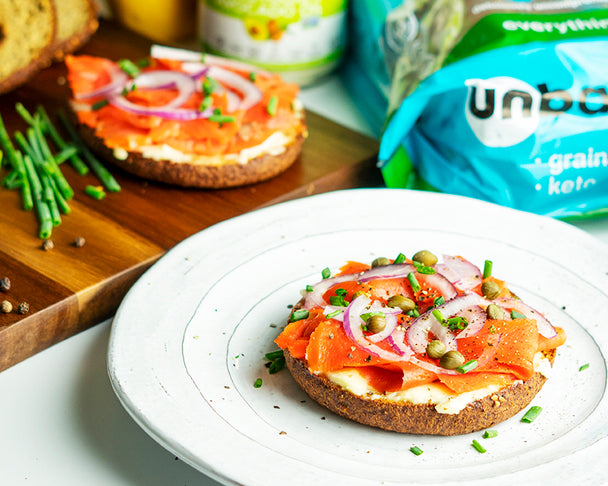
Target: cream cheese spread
[437,394]
[275,144]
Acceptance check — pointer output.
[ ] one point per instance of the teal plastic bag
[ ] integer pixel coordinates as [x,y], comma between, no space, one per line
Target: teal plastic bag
[505,101]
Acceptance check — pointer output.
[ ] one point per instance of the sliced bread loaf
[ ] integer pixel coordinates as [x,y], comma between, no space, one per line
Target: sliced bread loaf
[27,36]
[76,22]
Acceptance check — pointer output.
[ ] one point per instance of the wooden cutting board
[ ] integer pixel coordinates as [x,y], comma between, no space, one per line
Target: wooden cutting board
[70,289]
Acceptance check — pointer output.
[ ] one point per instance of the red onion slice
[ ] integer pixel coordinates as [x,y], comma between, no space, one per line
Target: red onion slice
[233,99]
[459,271]
[476,317]
[116,84]
[153,79]
[401,270]
[315,298]
[164,79]
[397,342]
[352,327]
[252,95]
[417,334]
[390,315]
[545,328]
[177,54]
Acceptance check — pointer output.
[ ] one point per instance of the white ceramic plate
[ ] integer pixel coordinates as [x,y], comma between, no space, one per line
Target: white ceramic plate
[188,342]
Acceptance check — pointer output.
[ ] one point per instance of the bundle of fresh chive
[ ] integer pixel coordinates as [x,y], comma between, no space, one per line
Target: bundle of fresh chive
[35,168]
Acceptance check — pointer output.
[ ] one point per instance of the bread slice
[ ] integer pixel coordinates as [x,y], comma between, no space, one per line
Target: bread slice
[76,23]
[27,36]
[409,418]
[204,171]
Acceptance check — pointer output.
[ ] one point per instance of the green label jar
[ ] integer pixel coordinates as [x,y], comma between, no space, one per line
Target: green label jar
[302,40]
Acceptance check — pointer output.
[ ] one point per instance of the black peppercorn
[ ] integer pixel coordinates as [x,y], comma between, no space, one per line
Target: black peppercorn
[5,284]
[6,307]
[23,308]
[79,242]
[48,245]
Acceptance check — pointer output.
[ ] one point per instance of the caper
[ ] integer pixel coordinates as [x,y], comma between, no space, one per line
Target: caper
[490,289]
[404,303]
[451,360]
[380,262]
[359,293]
[376,323]
[435,349]
[425,257]
[495,312]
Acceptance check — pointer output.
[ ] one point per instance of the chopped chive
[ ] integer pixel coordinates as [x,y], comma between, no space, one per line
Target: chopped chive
[333,314]
[252,76]
[274,355]
[439,316]
[276,365]
[487,268]
[99,105]
[438,301]
[61,202]
[367,315]
[49,197]
[48,127]
[257,383]
[45,172]
[100,171]
[22,110]
[338,300]
[272,105]
[65,153]
[413,282]
[14,180]
[309,288]
[144,62]
[400,259]
[128,67]
[341,292]
[468,366]
[532,414]
[30,190]
[209,86]
[493,329]
[55,171]
[490,434]
[96,192]
[478,447]
[584,367]
[413,313]
[456,323]
[298,315]
[7,145]
[42,207]
[420,268]
[221,118]
[326,273]
[517,315]
[206,103]
[416,450]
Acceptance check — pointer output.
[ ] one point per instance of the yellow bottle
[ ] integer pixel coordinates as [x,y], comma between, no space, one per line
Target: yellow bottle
[159,20]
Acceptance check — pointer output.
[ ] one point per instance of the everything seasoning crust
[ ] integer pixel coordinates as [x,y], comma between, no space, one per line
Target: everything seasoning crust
[418,346]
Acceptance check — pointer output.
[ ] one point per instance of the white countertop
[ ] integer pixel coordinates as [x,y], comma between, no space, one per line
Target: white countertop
[62,423]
